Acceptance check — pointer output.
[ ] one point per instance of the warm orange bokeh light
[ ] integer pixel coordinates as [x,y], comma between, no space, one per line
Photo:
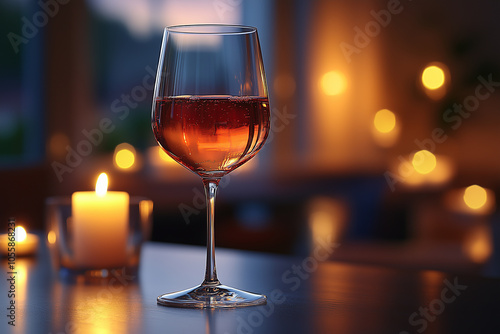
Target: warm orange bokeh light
[327,218]
[51,237]
[164,156]
[57,144]
[474,201]
[475,197]
[384,121]
[333,83]
[433,77]
[424,162]
[479,245]
[124,156]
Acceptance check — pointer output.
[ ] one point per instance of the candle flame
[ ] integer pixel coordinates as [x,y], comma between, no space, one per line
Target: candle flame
[101,186]
[20,233]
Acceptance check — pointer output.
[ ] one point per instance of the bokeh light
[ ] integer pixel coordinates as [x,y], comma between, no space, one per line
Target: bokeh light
[125,156]
[57,144]
[475,197]
[473,201]
[433,77]
[424,162]
[333,83]
[51,237]
[164,156]
[384,121]
[479,246]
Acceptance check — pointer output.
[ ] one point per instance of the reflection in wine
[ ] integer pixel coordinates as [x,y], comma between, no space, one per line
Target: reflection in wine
[211,135]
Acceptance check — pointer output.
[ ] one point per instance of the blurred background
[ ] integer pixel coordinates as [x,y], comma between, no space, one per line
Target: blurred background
[384,137]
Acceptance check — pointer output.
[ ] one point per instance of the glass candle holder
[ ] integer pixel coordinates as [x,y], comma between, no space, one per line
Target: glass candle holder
[99,254]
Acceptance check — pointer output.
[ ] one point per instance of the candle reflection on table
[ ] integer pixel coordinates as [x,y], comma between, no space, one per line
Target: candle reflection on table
[18,294]
[478,245]
[21,287]
[93,304]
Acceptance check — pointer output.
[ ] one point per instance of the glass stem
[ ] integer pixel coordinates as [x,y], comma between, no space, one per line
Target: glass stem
[211,185]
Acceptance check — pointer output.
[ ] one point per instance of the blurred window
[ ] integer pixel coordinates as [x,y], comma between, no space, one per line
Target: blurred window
[21,103]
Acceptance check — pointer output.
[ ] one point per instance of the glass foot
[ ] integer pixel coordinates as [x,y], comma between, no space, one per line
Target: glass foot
[211,296]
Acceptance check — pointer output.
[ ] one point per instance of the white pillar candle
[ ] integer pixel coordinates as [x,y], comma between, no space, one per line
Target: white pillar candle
[100,227]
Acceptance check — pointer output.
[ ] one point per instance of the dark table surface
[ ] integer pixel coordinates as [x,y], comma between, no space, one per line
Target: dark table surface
[305,295]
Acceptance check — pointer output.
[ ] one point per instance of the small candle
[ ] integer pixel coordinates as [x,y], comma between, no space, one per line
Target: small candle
[100,226]
[25,243]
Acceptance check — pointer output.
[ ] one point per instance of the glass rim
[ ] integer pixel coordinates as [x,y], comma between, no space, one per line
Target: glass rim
[211,29]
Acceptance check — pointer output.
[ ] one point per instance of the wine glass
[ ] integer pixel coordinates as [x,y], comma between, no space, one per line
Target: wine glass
[211,115]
